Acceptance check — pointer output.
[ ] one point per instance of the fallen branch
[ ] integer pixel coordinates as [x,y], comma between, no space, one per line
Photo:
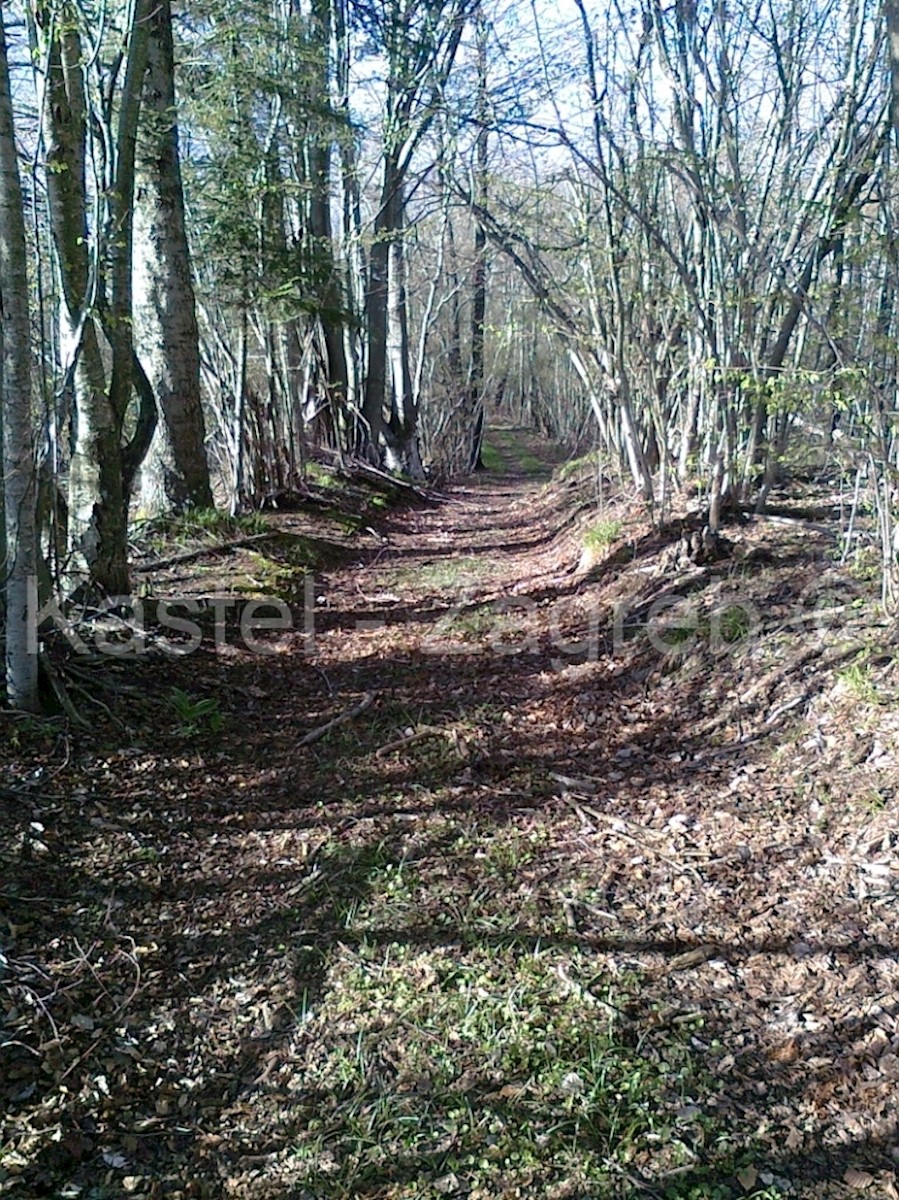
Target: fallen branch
[161,564]
[351,468]
[804,515]
[60,692]
[359,467]
[357,710]
[690,959]
[410,739]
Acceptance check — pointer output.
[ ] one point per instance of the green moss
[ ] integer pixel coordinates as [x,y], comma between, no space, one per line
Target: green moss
[491,458]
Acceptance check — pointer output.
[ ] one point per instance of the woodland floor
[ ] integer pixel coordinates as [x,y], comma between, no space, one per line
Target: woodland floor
[561,914]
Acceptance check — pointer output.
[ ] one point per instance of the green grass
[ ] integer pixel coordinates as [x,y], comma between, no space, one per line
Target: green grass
[734,624]
[587,464]
[476,624]
[323,478]
[530,464]
[442,575]
[205,525]
[857,680]
[874,800]
[452,1053]
[491,458]
[502,452]
[281,567]
[602,535]
[675,627]
[509,854]
[266,577]
[494,1072]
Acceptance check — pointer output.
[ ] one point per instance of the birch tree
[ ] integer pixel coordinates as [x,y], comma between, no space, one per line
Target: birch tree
[480,189]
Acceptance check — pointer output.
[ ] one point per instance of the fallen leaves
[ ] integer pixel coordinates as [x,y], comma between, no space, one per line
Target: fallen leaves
[187,932]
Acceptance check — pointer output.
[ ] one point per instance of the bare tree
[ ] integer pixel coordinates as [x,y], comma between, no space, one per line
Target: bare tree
[175,474]
[419,40]
[18,569]
[96,125]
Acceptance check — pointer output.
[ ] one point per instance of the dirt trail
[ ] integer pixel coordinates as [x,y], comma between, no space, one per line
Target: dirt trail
[518,929]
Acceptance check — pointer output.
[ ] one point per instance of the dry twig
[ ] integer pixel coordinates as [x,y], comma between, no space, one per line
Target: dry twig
[350,714]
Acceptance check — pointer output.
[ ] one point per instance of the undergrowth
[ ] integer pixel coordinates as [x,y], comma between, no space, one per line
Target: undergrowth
[499,1071]
[200,525]
[602,535]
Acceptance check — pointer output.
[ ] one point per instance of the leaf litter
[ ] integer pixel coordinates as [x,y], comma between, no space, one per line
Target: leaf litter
[562,902]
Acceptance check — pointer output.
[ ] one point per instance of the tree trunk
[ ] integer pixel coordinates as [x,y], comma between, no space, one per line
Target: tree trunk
[239,426]
[332,300]
[479,274]
[891,11]
[175,475]
[97,521]
[403,409]
[377,303]
[19,486]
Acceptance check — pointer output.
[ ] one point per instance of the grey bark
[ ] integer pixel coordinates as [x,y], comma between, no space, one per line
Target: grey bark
[97,524]
[175,475]
[891,11]
[19,567]
[479,279]
[377,300]
[420,44]
[332,299]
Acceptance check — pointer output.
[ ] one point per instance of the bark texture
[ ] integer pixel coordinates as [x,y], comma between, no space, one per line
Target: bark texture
[97,539]
[175,474]
[19,566]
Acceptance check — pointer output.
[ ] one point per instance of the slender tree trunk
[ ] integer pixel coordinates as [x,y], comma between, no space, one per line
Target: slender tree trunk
[891,11]
[97,524]
[239,427]
[378,301]
[332,301]
[118,328]
[404,410]
[479,281]
[19,565]
[351,248]
[889,516]
[175,475]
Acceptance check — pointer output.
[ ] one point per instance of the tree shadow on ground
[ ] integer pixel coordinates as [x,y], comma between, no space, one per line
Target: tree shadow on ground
[240,868]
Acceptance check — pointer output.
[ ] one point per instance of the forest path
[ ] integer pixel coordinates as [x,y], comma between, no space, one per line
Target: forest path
[514,927]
